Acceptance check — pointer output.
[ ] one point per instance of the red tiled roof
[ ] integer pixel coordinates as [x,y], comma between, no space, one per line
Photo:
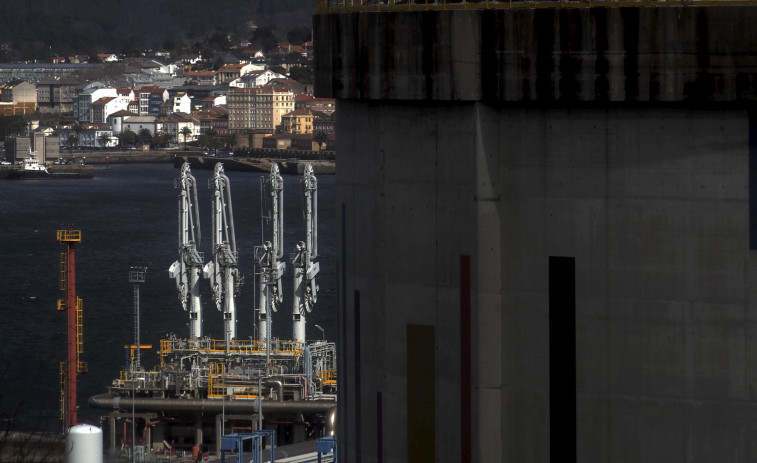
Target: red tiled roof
[150,89]
[122,113]
[264,89]
[231,67]
[300,112]
[103,101]
[303,97]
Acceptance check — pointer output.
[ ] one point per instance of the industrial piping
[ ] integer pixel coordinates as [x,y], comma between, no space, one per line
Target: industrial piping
[109,401]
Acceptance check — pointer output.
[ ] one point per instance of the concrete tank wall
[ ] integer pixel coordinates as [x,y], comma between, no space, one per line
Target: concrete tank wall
[401,231]
[666,53]
[618,138]
[653,206]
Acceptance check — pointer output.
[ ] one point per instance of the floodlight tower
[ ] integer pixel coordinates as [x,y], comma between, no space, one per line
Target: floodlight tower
[136,276]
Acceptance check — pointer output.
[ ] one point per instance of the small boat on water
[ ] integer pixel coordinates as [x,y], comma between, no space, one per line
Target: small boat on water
[31,168]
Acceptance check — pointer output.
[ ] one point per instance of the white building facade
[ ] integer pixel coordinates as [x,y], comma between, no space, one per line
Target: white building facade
[258,108]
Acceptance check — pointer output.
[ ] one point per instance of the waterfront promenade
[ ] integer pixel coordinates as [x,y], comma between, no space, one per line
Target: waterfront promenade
[177,157]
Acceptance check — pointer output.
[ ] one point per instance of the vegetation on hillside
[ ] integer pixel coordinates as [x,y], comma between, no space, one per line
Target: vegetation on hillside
[40,29]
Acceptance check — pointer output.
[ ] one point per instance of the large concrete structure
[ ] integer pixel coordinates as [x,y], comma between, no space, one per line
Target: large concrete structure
[546,225]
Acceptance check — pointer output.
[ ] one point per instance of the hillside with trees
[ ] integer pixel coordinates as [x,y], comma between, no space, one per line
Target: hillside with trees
[40,29]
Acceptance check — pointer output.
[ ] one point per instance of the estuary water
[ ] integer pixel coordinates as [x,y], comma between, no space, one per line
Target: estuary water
[128,216]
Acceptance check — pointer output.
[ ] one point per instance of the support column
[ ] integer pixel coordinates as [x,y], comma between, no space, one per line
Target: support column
[218,435]
[198,429]
[112,432]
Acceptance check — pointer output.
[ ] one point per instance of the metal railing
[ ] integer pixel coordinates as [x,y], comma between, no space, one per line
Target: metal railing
[345,6]
[69,235]
[238,346]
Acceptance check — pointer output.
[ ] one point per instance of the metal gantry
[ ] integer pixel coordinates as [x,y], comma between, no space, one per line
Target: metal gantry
[197,376]
[188,269]
[223,271]
[267,256]
[305,269]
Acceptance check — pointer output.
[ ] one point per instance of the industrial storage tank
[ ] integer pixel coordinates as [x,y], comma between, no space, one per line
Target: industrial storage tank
[84,444]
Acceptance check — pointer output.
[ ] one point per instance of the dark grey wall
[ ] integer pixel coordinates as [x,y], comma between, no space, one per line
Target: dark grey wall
[646,54]
[618,138]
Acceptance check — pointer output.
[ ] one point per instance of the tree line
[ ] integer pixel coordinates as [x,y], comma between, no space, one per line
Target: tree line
[32,31]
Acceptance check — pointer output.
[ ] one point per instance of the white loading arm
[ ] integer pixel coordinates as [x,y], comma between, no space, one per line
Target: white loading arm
[187,269]
[267,256]
[222,271]
[305,269]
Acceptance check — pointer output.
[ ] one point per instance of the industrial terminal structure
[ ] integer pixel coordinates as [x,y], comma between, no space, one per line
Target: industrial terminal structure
[547,217]
[206,389]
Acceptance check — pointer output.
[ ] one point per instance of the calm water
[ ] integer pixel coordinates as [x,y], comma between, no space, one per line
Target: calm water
[128,216]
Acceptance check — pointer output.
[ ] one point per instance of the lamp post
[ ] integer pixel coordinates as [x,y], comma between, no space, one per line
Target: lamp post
[323,334]
[136,276]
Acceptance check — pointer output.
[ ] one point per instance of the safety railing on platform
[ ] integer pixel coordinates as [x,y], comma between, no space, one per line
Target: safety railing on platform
[81,366]
[69,235]
[242,346]
[215,380]
[62,379]
[63,279]
[140,379]
[344,6]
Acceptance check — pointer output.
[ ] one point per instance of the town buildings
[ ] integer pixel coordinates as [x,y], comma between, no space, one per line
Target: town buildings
[299,121]
[258,108]
[17,98]
[163,97]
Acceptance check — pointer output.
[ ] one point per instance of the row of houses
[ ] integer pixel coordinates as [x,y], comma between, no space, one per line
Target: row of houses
[257,107]
[235,75]
[245,55]
[298,129]
[267,111]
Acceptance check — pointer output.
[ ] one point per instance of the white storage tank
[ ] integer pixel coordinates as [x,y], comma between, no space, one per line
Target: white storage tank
[84,444]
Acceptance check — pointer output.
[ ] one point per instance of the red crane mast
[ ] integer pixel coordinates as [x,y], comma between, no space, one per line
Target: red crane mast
[71,304]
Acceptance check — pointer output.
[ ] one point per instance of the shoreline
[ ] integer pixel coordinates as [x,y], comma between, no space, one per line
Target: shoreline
[176,157]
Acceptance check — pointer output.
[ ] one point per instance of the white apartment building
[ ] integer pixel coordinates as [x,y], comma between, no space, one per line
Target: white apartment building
[174,124]
[83,101]
[137,123]
[100,110]
[181,103]
[258,108]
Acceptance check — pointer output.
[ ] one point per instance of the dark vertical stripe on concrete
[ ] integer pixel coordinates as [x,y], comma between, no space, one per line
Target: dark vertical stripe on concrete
[752,179]
[602,65]
[358,387]
[631,43]
[428,23]
[491,49]
[421,394]
[379,428]
[544,26]
[571,33]
[465,360]
[562,359]
[341,321]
